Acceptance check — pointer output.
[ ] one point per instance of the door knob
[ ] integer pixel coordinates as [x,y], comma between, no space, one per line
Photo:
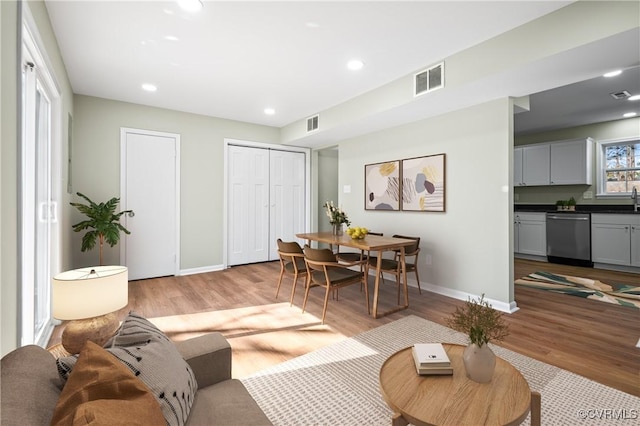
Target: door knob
[131,214]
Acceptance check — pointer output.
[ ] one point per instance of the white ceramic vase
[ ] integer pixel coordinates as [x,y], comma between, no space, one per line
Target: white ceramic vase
[479,362]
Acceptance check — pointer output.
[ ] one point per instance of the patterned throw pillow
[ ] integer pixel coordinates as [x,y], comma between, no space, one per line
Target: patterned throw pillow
[152,357]
[104,391]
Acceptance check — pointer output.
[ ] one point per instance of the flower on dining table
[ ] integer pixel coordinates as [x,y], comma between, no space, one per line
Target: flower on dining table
[335,214]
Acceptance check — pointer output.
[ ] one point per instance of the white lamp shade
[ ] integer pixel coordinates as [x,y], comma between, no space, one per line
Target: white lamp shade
[90,292]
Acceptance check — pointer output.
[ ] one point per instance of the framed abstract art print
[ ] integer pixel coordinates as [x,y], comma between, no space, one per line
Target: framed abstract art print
[423,184]
[382,186]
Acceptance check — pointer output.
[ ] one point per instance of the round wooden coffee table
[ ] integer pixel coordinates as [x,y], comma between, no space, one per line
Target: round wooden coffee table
[453,400]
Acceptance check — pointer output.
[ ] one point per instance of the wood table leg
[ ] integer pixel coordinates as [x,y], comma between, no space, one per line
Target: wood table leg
[376,287]
[536,408]
[404,277]
[398,420]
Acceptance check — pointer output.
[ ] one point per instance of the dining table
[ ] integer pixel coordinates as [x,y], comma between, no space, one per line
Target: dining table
[370,243]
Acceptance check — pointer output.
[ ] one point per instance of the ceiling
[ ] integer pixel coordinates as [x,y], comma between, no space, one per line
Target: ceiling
[233,59]
[581,103]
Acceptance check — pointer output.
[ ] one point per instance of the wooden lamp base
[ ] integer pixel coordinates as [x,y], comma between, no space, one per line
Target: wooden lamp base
[97,329]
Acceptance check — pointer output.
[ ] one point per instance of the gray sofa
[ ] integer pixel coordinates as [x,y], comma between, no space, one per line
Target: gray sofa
[31,386]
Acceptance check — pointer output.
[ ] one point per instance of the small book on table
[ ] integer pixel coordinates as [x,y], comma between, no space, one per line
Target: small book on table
[431,358]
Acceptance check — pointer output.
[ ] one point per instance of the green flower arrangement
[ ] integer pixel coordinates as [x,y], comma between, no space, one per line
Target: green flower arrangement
[478,320]
[335,214]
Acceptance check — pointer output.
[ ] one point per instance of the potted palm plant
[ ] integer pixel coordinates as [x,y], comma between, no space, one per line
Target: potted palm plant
[103,223]
[482,324]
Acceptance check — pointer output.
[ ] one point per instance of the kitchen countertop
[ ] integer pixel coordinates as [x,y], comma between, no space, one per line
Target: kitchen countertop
[585,208]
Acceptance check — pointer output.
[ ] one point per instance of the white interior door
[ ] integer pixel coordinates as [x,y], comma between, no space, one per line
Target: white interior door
[150,162]
[248,195]
[287,197]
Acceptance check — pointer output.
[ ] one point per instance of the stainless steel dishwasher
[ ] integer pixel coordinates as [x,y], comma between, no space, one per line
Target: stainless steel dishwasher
[569,238]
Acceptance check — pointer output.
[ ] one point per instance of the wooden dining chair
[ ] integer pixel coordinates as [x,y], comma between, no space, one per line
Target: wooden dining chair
[324,270]
[393,266]
[291,262]
[361,257]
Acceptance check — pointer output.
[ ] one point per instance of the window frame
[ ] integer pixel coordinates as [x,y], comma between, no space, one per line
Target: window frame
[601,164]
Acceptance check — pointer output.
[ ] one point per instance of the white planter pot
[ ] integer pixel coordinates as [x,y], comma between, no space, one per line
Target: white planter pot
[479,362]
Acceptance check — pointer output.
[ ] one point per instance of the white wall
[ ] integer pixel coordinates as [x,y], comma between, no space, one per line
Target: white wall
[8,176]
[328,189]
[470,243]
[96,169]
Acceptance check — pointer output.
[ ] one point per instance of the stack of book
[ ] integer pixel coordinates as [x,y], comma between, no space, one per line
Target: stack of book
[431,359]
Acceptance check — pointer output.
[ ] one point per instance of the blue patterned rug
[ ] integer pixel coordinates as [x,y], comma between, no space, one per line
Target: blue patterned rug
[618,294]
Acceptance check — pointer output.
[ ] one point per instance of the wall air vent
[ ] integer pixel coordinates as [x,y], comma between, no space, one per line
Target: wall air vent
[312,123]
[623,94]
[429,80]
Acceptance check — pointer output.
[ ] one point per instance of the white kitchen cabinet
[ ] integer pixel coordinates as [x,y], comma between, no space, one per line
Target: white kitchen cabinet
[530,233]
[610,244]
[571,162]
[567,162]
[535,165]
[517,167]
[615,239]
[635,245]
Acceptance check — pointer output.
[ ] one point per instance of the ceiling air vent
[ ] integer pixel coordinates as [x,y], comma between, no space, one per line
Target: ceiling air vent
[312,123]
[623,94]
[429,79]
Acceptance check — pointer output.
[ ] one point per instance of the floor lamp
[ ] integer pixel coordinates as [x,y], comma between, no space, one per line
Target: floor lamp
[88,297]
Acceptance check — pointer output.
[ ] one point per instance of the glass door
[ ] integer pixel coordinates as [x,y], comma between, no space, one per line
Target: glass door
[45,215]
[38,208]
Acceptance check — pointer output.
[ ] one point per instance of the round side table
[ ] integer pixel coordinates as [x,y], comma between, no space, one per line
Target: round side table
[453,400]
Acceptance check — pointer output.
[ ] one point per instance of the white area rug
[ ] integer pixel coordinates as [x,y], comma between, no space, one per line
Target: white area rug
[338,384]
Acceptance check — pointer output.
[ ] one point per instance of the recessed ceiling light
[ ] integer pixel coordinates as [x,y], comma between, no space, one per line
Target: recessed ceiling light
[171,38]
[355,64]
[634,98]
[168,11]
[613,73]
[190,5]
[629,114]
[269,111]
[312,25]
[149,87]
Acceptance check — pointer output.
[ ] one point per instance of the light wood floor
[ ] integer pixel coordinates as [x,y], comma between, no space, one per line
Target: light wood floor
[587,337]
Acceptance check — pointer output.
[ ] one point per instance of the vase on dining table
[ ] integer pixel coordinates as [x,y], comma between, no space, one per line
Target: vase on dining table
[337,229]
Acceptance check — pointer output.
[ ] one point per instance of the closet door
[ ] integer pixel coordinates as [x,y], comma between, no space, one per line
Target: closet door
[287,197]
[248,204]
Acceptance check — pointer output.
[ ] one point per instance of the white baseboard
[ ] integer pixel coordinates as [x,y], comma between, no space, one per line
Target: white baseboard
[460,295]
[619,268]
[202,270]
[530,257]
